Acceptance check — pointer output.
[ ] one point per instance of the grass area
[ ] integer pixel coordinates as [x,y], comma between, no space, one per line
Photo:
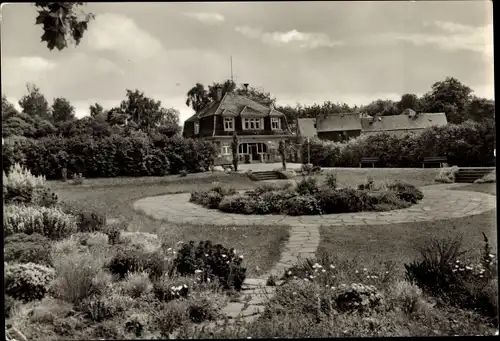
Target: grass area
[378,243]
[351,177]
[261,245]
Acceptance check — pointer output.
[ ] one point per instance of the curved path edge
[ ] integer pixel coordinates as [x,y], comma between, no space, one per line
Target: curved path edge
[439,203]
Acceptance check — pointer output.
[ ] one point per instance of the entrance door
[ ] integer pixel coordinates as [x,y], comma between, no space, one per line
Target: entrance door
[254,153]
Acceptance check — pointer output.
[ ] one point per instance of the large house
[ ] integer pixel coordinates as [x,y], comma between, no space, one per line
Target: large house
[259,127]
[341,127]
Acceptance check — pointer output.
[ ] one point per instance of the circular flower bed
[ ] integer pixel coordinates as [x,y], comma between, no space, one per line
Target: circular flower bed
[309,198]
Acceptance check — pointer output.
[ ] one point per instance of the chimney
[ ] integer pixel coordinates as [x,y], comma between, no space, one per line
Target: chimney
[246,87]
[219,93]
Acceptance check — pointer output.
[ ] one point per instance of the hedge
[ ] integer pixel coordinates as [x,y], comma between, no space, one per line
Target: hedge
[466,144]
[111,156]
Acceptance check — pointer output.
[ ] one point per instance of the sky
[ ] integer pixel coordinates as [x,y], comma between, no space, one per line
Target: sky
[307,52]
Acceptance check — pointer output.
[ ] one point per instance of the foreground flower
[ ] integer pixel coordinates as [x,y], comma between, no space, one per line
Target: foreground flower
[332,266]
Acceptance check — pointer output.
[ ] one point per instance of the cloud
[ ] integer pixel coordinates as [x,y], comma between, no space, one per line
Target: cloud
[208,18]
[20,70]
[303,40]
[451,36]
[120,34]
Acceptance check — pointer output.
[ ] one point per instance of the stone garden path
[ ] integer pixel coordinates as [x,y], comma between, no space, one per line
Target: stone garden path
[439,203]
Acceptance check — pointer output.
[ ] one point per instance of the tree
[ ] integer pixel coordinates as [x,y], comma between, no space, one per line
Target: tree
[481,109]
[34,103]
[234,149]
[8,109]
[197,97]
[86,126]
[147,112]
[96,110]
[409,101]
[62,110]
[381,107]
[448,96]
[227,86]
[61,23]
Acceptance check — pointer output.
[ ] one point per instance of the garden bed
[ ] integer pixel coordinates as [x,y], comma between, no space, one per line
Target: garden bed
[308,197]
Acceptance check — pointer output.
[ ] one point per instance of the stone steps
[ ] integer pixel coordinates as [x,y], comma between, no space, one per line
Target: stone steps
[266,175]
[470,174]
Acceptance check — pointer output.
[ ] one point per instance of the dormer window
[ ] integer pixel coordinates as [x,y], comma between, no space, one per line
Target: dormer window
[252,124]
[275,123]
[196,128]
[228,123]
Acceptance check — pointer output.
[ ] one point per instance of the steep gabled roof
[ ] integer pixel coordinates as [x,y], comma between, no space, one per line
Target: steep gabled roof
[306,127]
[338,122]
[404,122]
[233,104]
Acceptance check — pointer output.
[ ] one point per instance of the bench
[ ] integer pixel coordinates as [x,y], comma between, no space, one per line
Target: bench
[435,159]
[371,160]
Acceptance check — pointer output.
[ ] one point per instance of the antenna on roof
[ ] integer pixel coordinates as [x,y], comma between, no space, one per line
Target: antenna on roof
[231,59]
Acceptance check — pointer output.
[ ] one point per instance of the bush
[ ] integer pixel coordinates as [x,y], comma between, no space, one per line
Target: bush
[440,273]
[137,284]
[19,185]
[488,178]
[28,281]
[406,192]
[331,180]
[273,202]
[238,204]
[89,219]
[105,306]
[183,173]
[405,296]
[307,186]
[447,175]
[76,277]
[129,259]
[213,262]
[358,297]
[24,248]
[49,222]
[302,205]
[206,198]
[44,197]
[344,200]
[270,187]
[114,234]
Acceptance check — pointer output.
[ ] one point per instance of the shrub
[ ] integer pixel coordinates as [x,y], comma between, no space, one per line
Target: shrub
[344,200]
[137,284]
[183,173]
[488,178]
[105,306]
[405,296]
[76,274]
[44,197]
[223,190]
[274,201]
[307,186]
[358,297]
[173,315]
[447,175]
[28,281]
[209,199]
[368,185]
[269,187]
[204,306]
[89,218]
[302,205]
[129,259]
[214,262]
[136,324]
[114,233]
[77,179]
[406,192]
[238,204]
[64,174]
[24,248]
[148,242]
[331,180]
[49,222]
[19,184]
[167,289]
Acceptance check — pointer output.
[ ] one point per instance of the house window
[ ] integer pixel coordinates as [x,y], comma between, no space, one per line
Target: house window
[196,128]
[225,149]
[275,123]
[228,124]
[252,124]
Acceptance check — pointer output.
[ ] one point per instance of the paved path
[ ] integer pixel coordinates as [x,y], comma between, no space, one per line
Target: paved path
[439,203]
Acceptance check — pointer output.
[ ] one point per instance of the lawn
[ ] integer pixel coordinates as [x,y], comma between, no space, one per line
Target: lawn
[354,176]
[260,245]
[398,242]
